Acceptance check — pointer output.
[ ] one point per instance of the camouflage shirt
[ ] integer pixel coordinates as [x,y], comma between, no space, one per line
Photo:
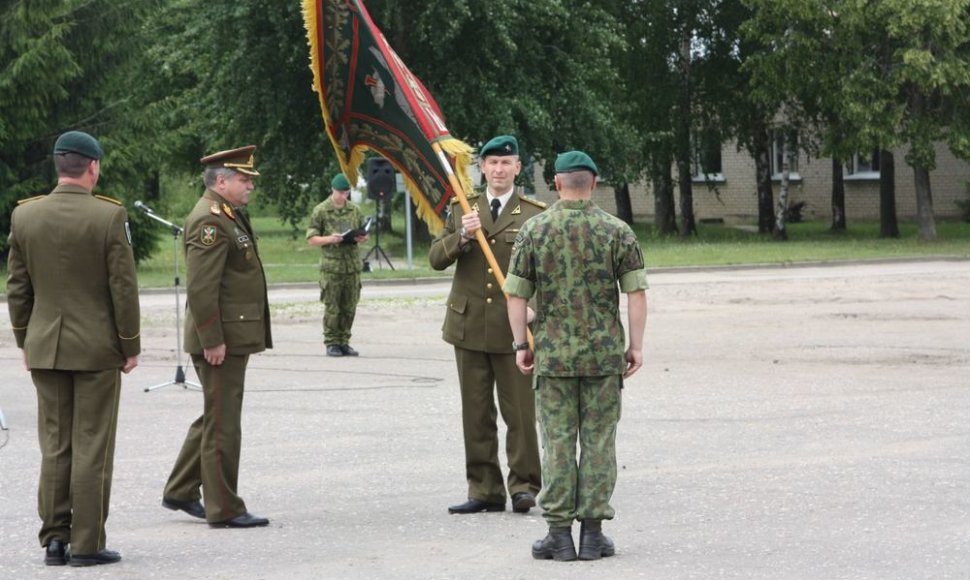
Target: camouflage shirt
[576,258]
[328,219]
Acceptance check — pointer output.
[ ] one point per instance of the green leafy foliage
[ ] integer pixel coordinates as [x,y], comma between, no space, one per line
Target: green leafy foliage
[62,66]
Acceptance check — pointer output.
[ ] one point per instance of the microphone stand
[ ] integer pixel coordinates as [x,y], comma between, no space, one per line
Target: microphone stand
[179,371]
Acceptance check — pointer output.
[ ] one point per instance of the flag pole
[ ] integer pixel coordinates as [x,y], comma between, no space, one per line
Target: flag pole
[479,234]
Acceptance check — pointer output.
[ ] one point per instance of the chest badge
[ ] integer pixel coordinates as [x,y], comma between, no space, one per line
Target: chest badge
[208,235]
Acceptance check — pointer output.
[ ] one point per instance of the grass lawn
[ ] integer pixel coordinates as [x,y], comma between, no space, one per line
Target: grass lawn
[287,257]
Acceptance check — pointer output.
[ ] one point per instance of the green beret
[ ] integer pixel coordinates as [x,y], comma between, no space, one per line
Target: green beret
[242,159]
[339,182]
[80,143]
[501,145]
[571,161]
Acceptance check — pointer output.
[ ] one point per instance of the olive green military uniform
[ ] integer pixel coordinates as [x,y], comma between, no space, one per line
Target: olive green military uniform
[575,259]
[73,301]
[340,267]
[226,304]
[477,324]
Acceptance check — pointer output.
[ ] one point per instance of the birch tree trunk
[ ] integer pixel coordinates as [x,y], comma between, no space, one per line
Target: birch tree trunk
[781,232]
[762,169]
[838,196]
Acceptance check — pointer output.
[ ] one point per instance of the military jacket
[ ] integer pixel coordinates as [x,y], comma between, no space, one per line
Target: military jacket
[477,316]
[327,219]
[575,258]
[72,291]
[226,287]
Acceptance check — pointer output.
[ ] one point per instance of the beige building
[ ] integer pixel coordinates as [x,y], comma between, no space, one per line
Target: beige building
[731,194]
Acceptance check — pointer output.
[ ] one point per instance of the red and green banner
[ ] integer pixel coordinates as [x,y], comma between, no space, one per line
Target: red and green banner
[371,101]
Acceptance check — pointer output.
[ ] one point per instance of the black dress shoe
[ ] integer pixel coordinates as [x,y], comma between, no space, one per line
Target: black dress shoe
[246,520]
[557,545]
[474,506]
[54,553]
[348,350]
[522,502]
[335,350]
[593,545]
[102,557]
[193,508]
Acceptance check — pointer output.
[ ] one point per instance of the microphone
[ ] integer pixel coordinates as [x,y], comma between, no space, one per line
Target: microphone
[143,207]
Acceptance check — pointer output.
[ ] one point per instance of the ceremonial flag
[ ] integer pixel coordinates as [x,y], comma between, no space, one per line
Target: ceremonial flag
[371,101]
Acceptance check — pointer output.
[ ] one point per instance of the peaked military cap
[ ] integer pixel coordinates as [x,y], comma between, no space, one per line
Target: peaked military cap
[339,182]
[571,161]
[78,142]
[499,146]
[242,160]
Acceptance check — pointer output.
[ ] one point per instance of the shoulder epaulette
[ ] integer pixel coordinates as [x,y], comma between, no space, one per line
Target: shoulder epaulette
[535,202]
[455,199]
[35,198]
[106,198]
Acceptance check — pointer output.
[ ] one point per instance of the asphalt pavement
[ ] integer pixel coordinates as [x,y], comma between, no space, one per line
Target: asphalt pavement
[789,423]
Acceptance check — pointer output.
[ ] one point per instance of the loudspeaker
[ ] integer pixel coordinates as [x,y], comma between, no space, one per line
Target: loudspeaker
[380,178]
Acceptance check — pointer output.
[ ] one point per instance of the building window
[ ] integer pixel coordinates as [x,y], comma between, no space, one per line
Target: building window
[777,150]
[863,166]
[707,160]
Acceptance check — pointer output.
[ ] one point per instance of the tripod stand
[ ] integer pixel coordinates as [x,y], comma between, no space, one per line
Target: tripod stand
[179,371]
[377,250]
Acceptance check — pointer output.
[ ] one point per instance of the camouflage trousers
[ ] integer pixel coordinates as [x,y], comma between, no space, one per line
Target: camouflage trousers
[587,409]
[340,294]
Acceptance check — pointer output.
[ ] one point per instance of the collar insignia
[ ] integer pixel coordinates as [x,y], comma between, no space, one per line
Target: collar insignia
[228,211]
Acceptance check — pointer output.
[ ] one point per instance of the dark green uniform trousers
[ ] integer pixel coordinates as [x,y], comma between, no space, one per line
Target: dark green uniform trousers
[477,373]
[340,294]
[587,409]
[77,418]
[210,454]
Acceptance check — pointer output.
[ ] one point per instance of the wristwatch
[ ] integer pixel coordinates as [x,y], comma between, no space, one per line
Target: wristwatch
[517,346]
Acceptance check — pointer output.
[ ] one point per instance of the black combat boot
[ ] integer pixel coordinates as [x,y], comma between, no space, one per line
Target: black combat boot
[593,545]
[557,545]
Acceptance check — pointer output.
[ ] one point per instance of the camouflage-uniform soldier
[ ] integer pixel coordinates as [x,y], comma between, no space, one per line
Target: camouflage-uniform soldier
[73,301]
[574,258]
[330,225]
[226,320]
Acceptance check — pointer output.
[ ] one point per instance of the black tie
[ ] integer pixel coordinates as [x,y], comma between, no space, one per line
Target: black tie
[496,204]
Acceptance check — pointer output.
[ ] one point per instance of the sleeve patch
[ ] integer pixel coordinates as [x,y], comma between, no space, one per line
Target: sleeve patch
[208,235]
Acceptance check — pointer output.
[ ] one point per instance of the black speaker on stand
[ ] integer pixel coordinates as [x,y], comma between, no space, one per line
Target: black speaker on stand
[380,186]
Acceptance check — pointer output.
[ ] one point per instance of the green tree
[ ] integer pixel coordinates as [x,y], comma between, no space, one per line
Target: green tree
[65,64]
[884,74]
[228,74]
[542,70]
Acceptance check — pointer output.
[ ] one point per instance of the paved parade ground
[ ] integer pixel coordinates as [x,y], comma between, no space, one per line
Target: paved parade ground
[803,422]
